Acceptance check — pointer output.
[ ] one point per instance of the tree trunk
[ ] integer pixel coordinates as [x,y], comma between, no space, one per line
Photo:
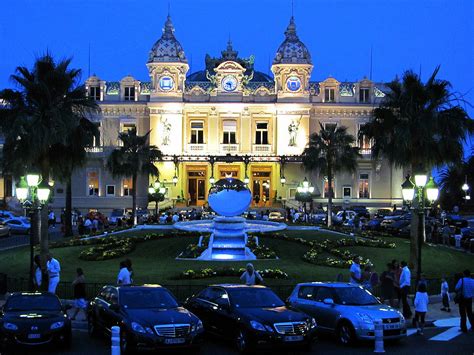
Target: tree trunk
[134,199]
[44,236]
[329,196]
[68,213]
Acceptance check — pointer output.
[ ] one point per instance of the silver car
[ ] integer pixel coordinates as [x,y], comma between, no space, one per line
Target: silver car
[347,311]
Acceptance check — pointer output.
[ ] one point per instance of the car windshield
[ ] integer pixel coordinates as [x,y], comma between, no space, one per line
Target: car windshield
[254,298]
[33,303]
[354,296]
[147,298]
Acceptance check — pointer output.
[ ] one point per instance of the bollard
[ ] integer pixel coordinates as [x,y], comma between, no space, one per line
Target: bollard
[378,332]
[115,349]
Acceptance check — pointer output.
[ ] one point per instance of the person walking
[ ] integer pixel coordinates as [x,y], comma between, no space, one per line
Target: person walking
[355,272]
[79,287]
[366,277]
[38,273]
[52,219]
[53,268]
[396,281]
[445,233]
[445,295]
[251,277]
[421,307]
[465,287]
[123,278]
[405,283]
[386,287]
[128,264]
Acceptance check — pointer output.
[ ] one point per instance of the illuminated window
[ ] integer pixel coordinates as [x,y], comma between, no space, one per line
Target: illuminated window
[197,132]
[364,95]
[326,188]
[364,142]
[125,127]
[261,133]
[94,92]
[94,141]
[129,93]
[127,187]
[230,129]
[329,95]
[93,183]
[364,191]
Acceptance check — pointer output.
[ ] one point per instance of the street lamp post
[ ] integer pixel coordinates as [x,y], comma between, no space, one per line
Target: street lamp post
[33,195]
[426,193]
[304,192]
[158,191]
[465,188]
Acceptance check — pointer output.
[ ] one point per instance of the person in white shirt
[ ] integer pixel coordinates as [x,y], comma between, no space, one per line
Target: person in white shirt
[421,307]
[52,219]
[38,275]
[251,276]
[405,282]
[175,218]
[54,268]
[355,271]
[445,295]
[123,278]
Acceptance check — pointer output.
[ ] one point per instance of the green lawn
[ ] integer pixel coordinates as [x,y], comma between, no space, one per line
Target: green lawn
[154,261]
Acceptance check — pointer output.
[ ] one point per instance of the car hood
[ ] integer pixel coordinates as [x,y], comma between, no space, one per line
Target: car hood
[155,316]
[271,315]
[41,320]
[378,311]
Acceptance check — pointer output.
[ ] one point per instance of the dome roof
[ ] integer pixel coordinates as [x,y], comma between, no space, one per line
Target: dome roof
[167,48]
[292,50]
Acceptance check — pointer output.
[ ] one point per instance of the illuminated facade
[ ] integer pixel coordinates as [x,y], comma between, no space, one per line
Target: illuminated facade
[231,120]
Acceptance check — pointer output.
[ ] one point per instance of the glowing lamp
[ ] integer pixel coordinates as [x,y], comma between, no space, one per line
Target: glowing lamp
[33,180]
[43,192]
[432,190]
[420,180]
[408,190]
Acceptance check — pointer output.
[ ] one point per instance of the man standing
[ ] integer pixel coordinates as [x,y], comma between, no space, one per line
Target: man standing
[405,282]
[466,287]
[355,271]
[53,268]
[124,276]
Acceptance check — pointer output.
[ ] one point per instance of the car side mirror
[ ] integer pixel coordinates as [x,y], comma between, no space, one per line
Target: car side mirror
[225,307]
[114,307]
[329,301]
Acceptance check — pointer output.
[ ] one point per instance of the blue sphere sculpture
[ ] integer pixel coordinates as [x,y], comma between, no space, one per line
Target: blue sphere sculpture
[229,197]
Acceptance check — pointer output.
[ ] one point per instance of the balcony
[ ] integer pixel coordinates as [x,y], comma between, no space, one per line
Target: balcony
[366,153]
[262,148]
[229,148]
[196,148]
[94,149]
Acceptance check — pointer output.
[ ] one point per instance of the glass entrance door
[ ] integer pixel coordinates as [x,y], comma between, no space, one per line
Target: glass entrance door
[196,188]
[261,182]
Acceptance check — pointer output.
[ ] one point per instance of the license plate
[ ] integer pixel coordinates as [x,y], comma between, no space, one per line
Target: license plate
[34,336]
[391,326]
[293,338]
[175,341]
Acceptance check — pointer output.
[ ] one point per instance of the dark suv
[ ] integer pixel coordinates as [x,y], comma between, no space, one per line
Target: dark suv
[149,318]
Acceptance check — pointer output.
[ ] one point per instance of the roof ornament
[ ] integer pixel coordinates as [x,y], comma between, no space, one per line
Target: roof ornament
[229,53]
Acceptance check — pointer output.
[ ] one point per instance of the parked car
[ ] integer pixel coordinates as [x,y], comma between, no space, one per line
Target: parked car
[456,221]
[251,316]
[31,319]
[19,225]
[350,215]
[381,213]
[361,211]
[149,318]
[276,216]
[7,215]
[347,311]
[116,214]
[374,224]
[398,224]
[4,230]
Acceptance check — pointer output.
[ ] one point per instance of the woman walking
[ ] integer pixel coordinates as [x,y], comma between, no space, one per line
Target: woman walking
[79,285]
[445,295]
[387,288]
[421,307]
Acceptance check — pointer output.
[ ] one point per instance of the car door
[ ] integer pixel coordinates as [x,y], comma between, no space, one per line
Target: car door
[199,305]
[221,315]
[101,308]
[114,316]
[304,301]
[326,314]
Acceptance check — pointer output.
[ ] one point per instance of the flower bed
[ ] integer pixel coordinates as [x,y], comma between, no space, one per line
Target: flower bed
[230,272]
[108,251]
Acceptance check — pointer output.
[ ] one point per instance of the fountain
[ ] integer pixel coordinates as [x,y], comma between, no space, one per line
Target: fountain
[229,198]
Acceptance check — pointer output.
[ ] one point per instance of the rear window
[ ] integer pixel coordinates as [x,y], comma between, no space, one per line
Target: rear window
[33,303]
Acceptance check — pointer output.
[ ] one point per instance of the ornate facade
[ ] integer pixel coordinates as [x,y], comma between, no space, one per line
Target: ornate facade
[231,120]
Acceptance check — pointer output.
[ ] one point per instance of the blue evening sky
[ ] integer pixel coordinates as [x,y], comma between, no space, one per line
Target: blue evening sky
[404,34]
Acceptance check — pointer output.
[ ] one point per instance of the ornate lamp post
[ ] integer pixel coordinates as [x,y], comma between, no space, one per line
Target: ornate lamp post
[419,196]
[157,191]
[304,192]
[465,188]
[33,195]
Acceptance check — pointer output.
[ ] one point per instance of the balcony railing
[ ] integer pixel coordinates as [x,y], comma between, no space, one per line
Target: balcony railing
[229,148]
[262,148]
[94,149]
[196,147]
[366,152]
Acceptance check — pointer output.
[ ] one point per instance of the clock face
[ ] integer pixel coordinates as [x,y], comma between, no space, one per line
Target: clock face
[293,83]
[229,83]
[166,83]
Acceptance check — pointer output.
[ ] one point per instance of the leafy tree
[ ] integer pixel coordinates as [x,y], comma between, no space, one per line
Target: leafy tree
[419,126]
[135,156]
[331,150]
[451,180]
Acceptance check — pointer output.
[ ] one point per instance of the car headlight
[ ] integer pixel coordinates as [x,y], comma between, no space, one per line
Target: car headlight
[57,325]
[312,323]
[260,327]
[137,327]
[197,327]
[10,326]
[402,318]
[365,318]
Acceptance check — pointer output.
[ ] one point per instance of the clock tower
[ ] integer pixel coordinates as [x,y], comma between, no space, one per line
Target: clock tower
[167,66]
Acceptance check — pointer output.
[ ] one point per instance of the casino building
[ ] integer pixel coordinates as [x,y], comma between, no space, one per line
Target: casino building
[229,119]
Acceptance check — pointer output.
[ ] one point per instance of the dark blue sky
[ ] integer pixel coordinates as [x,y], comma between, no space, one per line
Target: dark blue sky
[338,33]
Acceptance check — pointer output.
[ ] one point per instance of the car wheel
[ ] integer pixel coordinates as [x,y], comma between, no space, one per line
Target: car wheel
[243,344]
[345,333]
[92,327]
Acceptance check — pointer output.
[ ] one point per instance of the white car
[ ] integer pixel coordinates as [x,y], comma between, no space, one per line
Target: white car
[4,230]
[19,225]
[350,215]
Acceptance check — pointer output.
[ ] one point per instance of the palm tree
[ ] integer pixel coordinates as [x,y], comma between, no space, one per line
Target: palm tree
[134,157]
[40,117]
[451,179]
[331,150]
[419,126]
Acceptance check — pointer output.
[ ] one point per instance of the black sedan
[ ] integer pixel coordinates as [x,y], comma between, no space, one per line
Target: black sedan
[148,316]
[251,316]
[33,319]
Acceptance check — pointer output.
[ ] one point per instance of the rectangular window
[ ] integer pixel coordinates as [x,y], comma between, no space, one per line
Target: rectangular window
[364,95]
[129,94]
[96,137]
[329,95]
[330,126]
[197,132]
[347,192]
[127,187]
[110,190]
[93,183]
[125,127]
[326,188]
[229,128]
[261,133]
[94,92]
[364,142]
[364,191]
